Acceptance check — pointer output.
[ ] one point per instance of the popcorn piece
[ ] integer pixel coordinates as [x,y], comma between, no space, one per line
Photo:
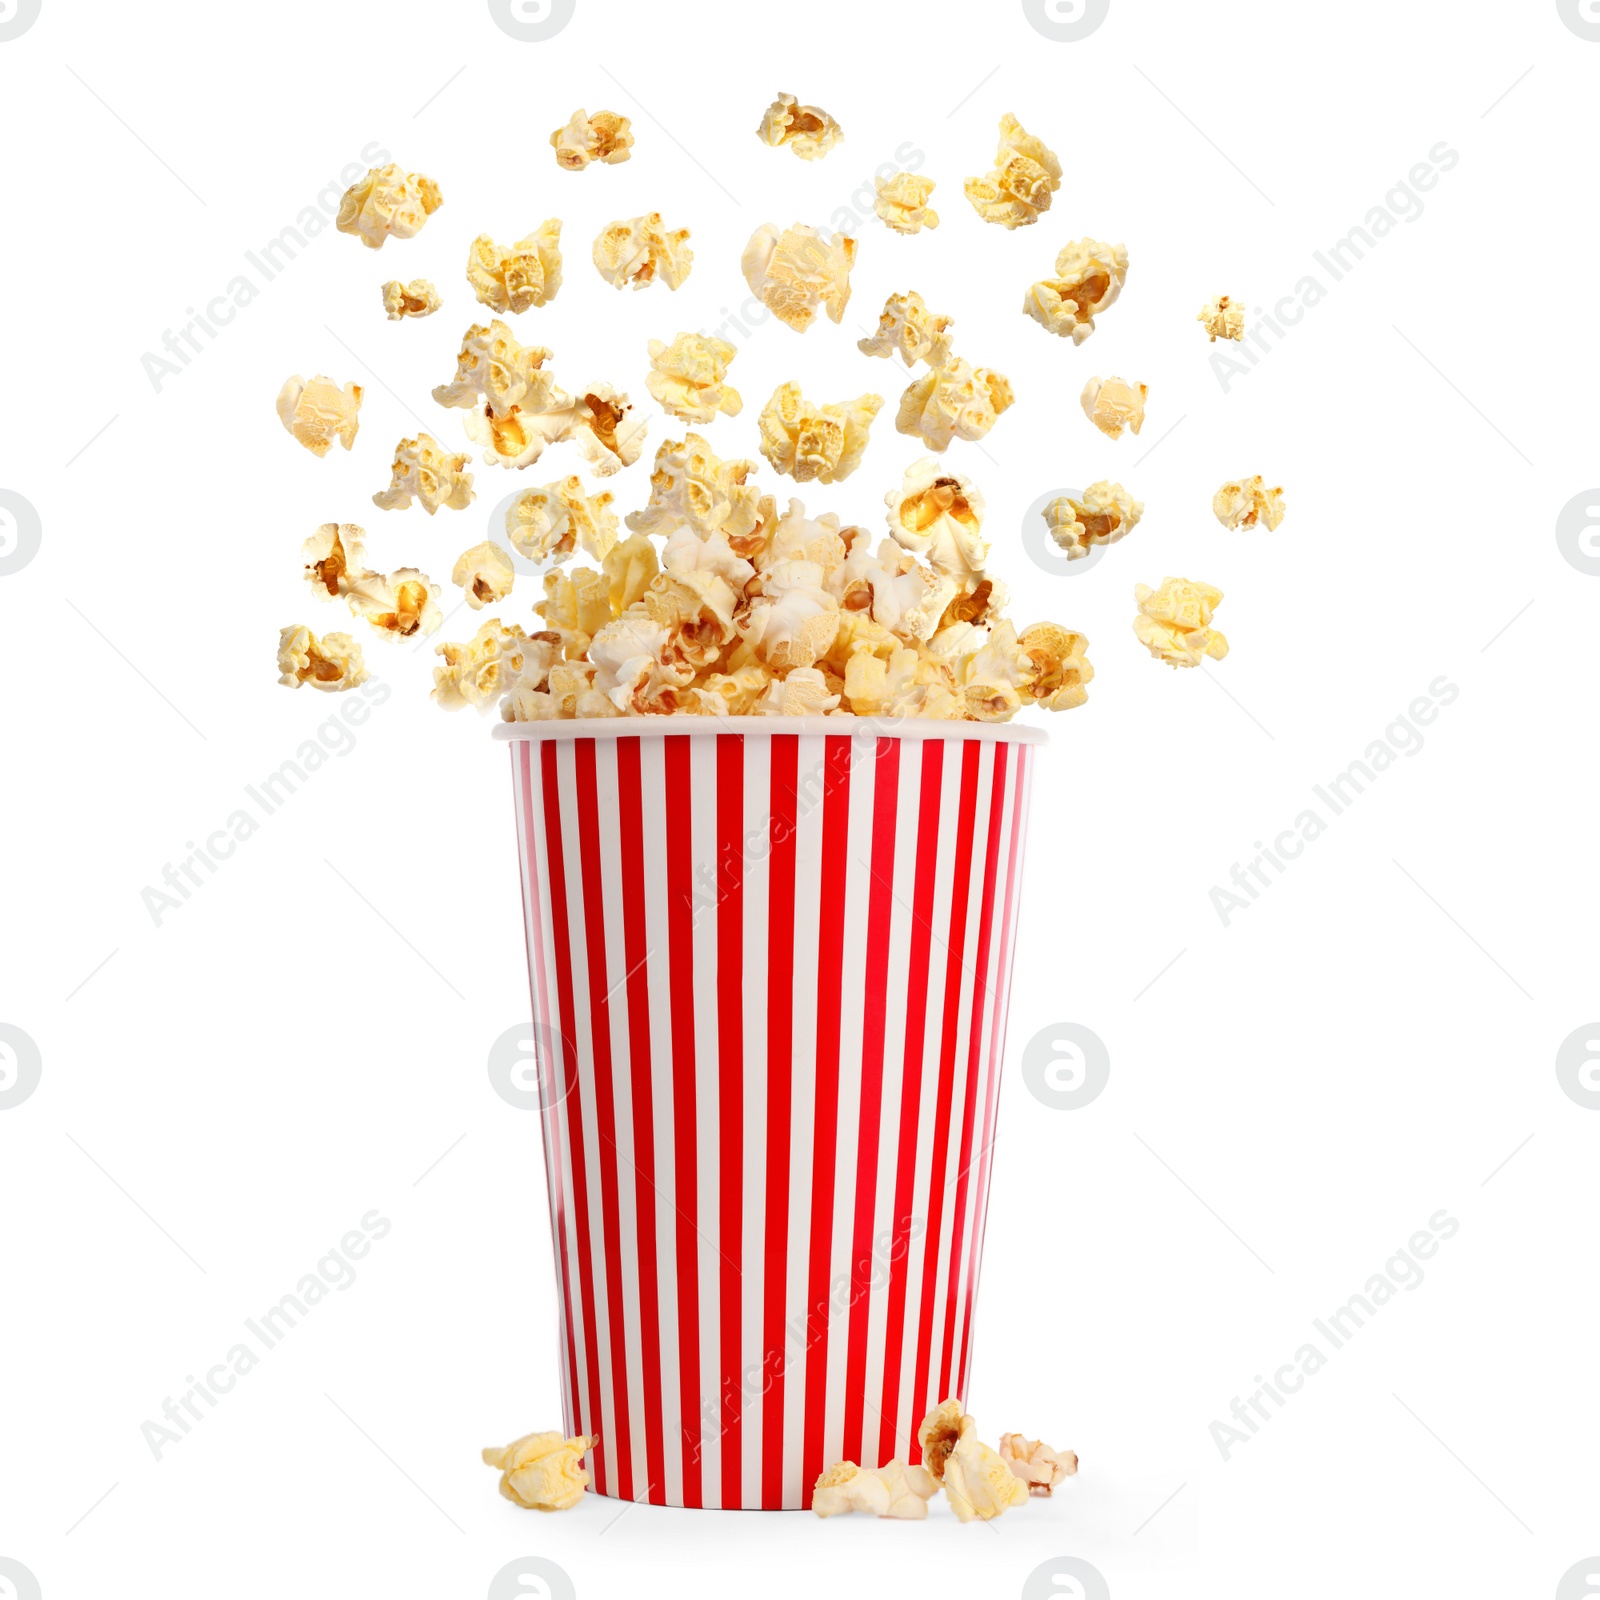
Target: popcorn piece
[1026,174]
[387,201]
[603,137]
[1112,405]
[485,572]
[318,412]
[1089,277]
[629,567]
[798,272]
[691,487]
[807,130]
[421,469]
[910,1490]
[979,1483]
[1036,1464]
[845,1486]
[1223,318]
[517,439]
[1174,622]
[552,523]
[400,604]
[792,622]
[578,605]
[1248,502]
[806,441]
[493,369]
[478,671]
[512,278]
[939,1433]
[907,327]
[627,654]
[1060,671]
[418,298]
[542,1471]
[804,693]
[606,436]
[1105,514]
[689,378]
[333,553]
[996,675]
[953,401]
[903,202]
[939,515]
[331,663]
[633,254]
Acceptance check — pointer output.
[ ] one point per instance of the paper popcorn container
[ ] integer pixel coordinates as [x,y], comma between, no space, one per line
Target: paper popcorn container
[769,973]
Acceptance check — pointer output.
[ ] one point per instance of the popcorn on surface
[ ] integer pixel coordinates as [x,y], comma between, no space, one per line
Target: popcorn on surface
[940,1431]
[1174,621]
[605,136]
[331,663]
[689,378]
[542,1471]
[424,471]
[1223,318]
[798,272]
[387,202]
[1105,514]
[493,369]
[1247,503]
[515,277]
[1089,277]
[318,412]
[633,254]
[908,328]
[554,522]
[1112,405]
[806,441]
[807,130]
[979,1482]
[1036,1464]
[953,401]
[1025,176]
[485,572]
[903,202]
[418,298]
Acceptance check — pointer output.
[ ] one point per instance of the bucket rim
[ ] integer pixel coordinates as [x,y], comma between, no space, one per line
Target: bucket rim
[659,727]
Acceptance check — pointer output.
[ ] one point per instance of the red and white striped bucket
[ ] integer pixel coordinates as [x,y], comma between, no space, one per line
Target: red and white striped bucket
[774,966]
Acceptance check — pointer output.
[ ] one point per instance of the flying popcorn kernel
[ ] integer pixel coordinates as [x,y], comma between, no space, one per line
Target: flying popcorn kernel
[387,201]
[399,604]
[939,1432]
[1174,621]
[608,432]
[485,572]
[1112,405]
[1061,673]
[692,487]
[331,663]
[1247,503]
[514,277]
[953,401]
[807,130]
[493,369]
[333,556]
[1223,318]
[1089,277]
[478,671]
[1105,514]
[517,439]
[1036,1464]
[603,137]
[979,1483]
[798,272]
[554,522]
[938,515]
[424,471]
[903,202]
[418,298]
[689,378]
[908,329]
[1026,174]
[633,254]
[542,1471]
[318,412]
[806,441]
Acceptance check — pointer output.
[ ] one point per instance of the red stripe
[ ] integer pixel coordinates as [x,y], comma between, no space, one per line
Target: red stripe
[931,755]
[885,798]
[594,930]
[996,1059]
[969,1106]
[636,953]
[960,899]
[677,793]
[830,964]
[586,1403]
[780,1088]
[730,1085]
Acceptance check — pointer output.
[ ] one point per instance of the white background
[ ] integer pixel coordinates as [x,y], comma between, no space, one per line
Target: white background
[1292,1096]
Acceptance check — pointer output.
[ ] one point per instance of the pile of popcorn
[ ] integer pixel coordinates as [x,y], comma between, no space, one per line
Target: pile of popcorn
[713,599]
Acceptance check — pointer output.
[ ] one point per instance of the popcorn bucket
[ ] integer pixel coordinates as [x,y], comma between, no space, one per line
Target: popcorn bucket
[769,973]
